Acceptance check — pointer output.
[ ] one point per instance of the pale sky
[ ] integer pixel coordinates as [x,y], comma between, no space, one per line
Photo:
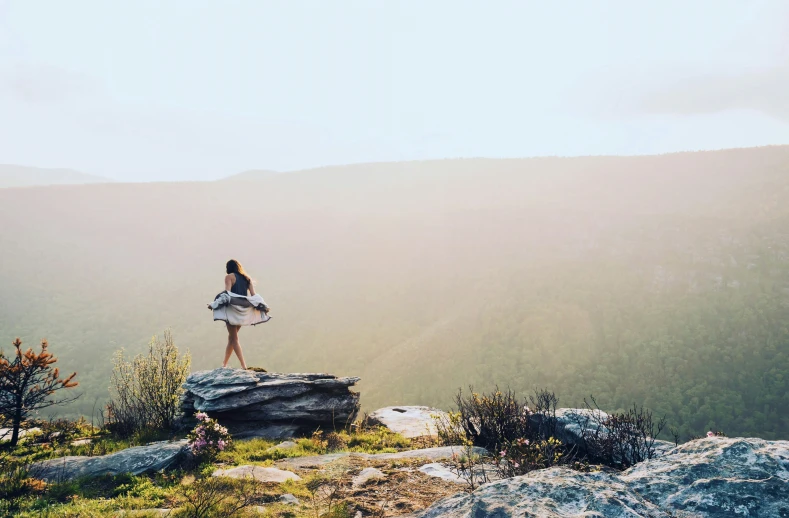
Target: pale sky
[197,90]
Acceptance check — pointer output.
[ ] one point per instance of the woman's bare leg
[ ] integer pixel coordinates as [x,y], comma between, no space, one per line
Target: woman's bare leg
[229,348]
[237,349]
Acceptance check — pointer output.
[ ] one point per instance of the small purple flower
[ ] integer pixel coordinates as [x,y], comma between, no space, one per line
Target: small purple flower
[710,434]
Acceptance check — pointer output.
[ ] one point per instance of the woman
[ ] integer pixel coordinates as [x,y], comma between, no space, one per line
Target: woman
[236,281]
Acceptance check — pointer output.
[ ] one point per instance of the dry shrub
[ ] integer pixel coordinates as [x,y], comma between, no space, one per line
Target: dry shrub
[621,439]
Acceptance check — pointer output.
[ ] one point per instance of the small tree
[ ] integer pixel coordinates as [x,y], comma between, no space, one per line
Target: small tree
[27,383]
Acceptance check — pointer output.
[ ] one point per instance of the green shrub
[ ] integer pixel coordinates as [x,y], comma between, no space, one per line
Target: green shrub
[216,497]
[146,392]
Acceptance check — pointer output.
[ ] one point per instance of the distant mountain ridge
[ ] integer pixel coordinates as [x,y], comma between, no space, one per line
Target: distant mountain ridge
[12,175]
[251,175]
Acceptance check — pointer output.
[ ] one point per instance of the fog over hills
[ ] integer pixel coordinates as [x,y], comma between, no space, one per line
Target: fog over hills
[660,280]
[24,176]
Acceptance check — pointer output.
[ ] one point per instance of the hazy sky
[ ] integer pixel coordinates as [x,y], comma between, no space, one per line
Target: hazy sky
[176,90]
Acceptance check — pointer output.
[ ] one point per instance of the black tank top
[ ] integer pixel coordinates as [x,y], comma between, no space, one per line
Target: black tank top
[241,285]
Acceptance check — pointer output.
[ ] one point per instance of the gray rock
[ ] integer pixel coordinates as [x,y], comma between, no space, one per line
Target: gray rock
[483,474]
[219,382]
[272,405]
[718,476]
[287,498]
[258,473]
[136,460]
[431,454]
[554,493]
[249,395]
[332,409]
[408,421]
[6,433]
[438,470]
[367,475]
[252,429]
[704,478]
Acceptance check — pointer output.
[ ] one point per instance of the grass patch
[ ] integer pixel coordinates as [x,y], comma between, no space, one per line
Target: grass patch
[98,496]
[263,452]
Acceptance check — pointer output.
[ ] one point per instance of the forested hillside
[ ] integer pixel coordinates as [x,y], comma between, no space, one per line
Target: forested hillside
[660,280]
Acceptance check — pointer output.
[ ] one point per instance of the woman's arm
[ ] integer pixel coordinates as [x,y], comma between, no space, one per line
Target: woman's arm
[251,288]
[229,280]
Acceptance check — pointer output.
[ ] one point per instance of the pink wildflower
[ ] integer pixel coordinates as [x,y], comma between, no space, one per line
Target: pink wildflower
[710,434]
[503,453]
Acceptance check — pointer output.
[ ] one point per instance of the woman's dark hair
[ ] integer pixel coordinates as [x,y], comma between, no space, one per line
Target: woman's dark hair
[234,266]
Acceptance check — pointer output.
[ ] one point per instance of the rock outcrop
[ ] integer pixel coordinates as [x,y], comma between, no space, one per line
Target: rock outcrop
[136,460]
[703,478]
[408,421]
[262,404]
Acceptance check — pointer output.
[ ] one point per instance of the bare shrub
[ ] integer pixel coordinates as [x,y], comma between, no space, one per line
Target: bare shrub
[326,492]
[490,420]
[61,430]
[619,440]
[521,434]
[146,391]
[335,441]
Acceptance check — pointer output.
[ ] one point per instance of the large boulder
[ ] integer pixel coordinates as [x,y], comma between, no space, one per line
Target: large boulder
[703,478]
[262,404]
[136,460]
[408,421]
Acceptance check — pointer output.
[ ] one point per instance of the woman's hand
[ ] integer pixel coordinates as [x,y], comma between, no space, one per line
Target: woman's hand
[208,306]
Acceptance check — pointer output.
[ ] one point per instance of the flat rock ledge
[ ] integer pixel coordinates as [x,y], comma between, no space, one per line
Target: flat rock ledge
[136,460]
[432,454]
[710,477]
[258,473]
[408,421]
[271,405]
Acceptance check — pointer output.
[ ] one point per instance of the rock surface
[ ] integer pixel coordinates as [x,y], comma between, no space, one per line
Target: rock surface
[258,473]
[6,433]
[408,421]
[136,460]
[438,470]
[367,475]
[483,474]
[434,454]
[703,478]
[263,404]
[287,498]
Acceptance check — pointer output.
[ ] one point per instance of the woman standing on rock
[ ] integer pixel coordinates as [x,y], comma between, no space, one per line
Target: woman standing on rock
[234,307]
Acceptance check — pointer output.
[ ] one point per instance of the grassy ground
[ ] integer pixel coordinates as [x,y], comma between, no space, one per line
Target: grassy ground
[326,492]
